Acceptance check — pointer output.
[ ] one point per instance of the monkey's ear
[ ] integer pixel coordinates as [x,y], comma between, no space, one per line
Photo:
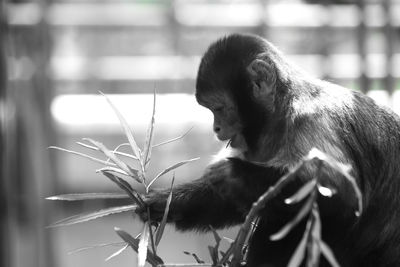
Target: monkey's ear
[262,75]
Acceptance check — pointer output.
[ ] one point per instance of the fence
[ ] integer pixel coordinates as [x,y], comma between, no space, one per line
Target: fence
[60,47]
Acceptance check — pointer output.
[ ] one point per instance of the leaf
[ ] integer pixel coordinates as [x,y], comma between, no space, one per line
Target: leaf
[213,255]
[87,196]
[326,191]
[96,246]
[328,254]
[117,252]
[149,136]
[214,250]
[83,155]
[216,235]
[131,172]
[112,169]
[92,215]
[314,246]
[174,139]
[289,226]
[298,254]
[143,243]
[115,151]
[160,230]
[126,128]
[124,185]
[229,240]
[302,193]
[197,259]
[134,243]
[344,169]
[177,165]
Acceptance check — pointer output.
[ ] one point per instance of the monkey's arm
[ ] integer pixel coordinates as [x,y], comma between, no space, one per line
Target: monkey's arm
[221,197]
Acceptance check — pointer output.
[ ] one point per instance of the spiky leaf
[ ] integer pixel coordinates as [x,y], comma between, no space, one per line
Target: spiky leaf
[134,243]
[87,196]
[302,193]
[115,254]
[128,131]
[84,156]
[149,136]
[124,185]
[173,167]
[289,226]
[143,244]
[93,215]
[160,230]
[299,253]
[328,254]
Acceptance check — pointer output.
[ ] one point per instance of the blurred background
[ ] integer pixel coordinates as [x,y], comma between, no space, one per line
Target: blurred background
[56,55]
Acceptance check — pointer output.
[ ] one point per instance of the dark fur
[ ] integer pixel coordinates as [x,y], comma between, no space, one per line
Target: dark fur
[306,112]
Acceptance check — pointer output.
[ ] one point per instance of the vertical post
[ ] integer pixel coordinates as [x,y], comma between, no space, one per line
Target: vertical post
[362,47]
[4,214]
[262,28]
[390,40]
[174,27]
[325,49]
[30,169]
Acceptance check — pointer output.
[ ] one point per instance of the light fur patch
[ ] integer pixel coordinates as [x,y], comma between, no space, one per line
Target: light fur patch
[332,97]
[227,152]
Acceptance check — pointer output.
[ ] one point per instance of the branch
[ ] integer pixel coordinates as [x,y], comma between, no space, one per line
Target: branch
[272,192]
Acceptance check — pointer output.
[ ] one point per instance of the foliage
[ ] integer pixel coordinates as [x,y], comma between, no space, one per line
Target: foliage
[309,250]
[118,171]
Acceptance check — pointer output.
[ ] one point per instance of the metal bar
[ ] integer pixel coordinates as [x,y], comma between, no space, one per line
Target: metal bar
[4,193]
[364,80]
[389,32]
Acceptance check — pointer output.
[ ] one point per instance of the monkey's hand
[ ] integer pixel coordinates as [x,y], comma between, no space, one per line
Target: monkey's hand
[155,204]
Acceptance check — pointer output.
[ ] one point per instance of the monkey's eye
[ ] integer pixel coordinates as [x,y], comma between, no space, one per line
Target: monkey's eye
[219,109]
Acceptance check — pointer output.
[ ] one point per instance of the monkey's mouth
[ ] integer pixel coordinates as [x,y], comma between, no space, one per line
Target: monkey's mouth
[232,142]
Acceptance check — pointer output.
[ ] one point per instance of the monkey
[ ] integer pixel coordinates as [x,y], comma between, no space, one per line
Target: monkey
[273,113]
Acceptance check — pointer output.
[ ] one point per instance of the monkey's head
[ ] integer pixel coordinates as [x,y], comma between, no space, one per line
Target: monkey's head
[237,80]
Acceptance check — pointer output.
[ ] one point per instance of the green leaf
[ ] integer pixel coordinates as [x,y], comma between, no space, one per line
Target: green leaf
[314,250]
[302,193]
[344,169]
[160,230]
[289,226]
[92,215]
[298,255]
[328,254]
[117,252]
[177,165]
[197,259]
[143,244]
[229,240]
[131,172]
[173,140]
[113,169]
[214,250]
[116,244]
[213,255]
[115,151]
[87,196]
[326,191]
[128,131]
[149,136]
[124,185]
[83,155]
[134,243]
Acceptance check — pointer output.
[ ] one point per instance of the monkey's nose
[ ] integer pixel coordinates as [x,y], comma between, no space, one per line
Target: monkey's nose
[217,129]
